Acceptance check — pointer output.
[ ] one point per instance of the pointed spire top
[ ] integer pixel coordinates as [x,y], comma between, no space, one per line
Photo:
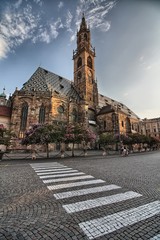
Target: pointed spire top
[83,22]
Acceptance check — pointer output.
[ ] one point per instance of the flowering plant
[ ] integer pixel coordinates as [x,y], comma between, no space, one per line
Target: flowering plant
[43,134]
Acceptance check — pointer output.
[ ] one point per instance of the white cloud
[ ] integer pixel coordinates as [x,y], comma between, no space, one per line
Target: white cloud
[48,32]
[69,18]
[60,5]
[17,26]
[18,3]
[73,37]
[96,12]
[39,2]
[54,27]
[4,48]
[20,22]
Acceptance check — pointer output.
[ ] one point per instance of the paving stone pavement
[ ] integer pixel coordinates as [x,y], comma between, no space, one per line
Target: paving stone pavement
[117,198]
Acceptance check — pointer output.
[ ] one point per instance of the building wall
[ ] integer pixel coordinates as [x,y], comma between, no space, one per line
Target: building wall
[34,101]
[5,113]
[116,122]
[151,127]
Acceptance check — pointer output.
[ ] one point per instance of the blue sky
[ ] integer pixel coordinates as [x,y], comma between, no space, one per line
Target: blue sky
[125,33]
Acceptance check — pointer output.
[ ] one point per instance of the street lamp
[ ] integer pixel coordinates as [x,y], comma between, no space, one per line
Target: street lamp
[68,110]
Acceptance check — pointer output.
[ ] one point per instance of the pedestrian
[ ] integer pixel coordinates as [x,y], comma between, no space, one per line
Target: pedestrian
[125,152]
[121,150]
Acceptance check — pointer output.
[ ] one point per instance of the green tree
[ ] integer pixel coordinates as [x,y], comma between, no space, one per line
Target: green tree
[5,136]
[152,141]
[43,134]
[77,133]
[106,139]
[73,134]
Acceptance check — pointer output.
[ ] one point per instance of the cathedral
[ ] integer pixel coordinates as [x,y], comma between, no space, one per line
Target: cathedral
[49,98]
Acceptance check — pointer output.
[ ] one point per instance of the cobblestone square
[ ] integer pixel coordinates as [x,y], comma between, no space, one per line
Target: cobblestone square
[109,197]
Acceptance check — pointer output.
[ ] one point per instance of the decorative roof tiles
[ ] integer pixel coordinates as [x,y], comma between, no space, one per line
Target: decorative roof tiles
[44,80]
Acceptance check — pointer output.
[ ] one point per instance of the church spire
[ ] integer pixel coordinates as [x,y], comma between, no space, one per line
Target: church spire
[84,68]
[83,25]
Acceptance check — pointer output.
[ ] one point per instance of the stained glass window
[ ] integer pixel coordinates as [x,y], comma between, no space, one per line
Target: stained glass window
[24,114]
[42,112]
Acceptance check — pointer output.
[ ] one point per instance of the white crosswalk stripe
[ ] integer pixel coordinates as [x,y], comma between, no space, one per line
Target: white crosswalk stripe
[67,179]
[52,170]
[98,202]
[43,168]
[61,175]
[48,173]
[85,191]
[37,165]
[75,184]
[102,226]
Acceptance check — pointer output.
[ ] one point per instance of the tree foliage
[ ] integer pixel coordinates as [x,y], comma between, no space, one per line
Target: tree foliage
[5,136]
[43,134]
[106,139]
[49,133]
[77,133]
[73,133]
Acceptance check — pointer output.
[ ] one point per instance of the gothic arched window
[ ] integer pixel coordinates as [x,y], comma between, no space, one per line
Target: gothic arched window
[74,115]
[89,62]
[128,125]
[79,62]
[42,112]
[24,114]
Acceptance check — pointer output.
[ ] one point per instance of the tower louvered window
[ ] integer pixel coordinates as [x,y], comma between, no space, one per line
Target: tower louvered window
[42,114]
[89,62]
[24,114]
[79,62]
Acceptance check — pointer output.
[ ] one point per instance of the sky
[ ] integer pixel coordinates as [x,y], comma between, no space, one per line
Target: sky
[125,34]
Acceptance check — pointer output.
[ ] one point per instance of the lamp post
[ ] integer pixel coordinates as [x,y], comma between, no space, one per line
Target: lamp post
[116,128]
[68,116]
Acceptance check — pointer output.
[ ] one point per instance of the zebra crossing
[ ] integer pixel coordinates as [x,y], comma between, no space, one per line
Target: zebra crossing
[60,177]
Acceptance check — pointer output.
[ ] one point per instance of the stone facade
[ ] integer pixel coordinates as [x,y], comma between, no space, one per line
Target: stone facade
[115,117]
[150,127]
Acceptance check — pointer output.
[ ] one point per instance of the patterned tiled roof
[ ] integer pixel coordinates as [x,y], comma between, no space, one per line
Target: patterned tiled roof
[117,106]
[44,80]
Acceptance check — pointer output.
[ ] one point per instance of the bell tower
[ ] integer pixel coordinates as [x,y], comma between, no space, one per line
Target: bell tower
[84,68]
